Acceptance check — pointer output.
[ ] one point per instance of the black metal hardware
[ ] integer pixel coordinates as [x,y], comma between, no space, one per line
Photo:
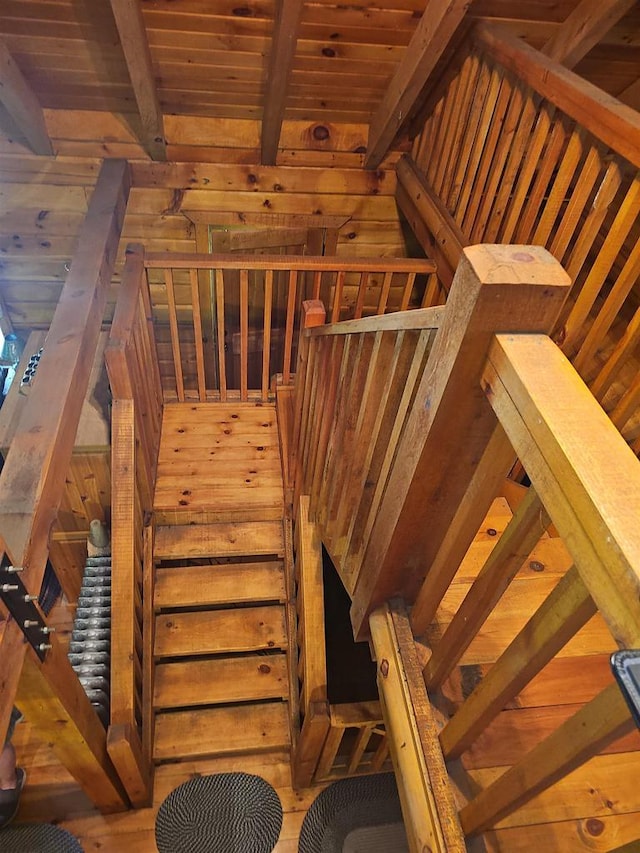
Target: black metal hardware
[21,605]
[625,666]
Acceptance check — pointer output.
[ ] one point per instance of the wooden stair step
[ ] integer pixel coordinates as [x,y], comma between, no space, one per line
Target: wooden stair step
[245,629]
[222,731]
[213,681]
[225,539]
[226,583]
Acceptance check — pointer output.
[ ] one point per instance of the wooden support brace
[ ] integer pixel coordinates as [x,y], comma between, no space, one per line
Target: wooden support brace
[567,609]
[283,46]
[21,103]
[599,723]
[429,41]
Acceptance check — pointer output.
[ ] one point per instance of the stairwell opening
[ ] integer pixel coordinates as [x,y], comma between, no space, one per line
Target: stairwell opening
[351,673]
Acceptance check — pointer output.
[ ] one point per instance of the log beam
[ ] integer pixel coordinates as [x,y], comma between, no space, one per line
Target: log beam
[22,105]
[433,34]
[584,28]
[283,46]
[135,46]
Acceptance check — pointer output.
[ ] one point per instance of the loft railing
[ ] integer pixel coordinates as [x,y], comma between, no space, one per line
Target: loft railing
[336,740]
[135,438]
[226,324]
[487,389]
[517,149]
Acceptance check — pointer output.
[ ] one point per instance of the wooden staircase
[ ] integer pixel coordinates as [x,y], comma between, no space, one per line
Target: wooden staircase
[221,683]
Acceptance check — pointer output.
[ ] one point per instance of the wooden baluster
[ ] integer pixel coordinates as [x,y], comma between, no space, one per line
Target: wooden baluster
[407,291]
[329,751]
[516,543]
[197,331]
[600,722]
[384,293]
[359,747]
[175,335]
[313,735]
[337,297]
[222,356]
[288,335]
[623,349]
[266,333]
[244,334]
[362,292]
[431,292]
[567,609]
[317,279]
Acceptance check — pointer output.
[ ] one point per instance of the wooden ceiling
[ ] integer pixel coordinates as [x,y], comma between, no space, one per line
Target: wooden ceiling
[318,62]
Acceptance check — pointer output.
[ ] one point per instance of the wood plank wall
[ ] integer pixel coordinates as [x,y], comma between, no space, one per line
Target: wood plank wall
[43,200]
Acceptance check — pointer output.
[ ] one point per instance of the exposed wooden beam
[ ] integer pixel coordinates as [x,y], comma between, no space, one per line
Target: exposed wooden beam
[584,28]
[283,46]
[21,103]
[631,95]
[435,30]
[135,46]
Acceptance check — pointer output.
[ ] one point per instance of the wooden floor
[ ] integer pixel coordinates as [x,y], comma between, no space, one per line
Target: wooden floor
[218,462]
[51,795]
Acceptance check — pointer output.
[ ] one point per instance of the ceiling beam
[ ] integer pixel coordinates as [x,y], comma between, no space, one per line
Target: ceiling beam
[584,28]
[21,103]
[135,46]
[434,32]
[631,95]
[283,47]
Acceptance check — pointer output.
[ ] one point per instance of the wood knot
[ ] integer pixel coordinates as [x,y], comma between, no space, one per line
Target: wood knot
[384,668]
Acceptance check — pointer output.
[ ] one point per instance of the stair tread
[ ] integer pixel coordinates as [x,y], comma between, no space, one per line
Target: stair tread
[222,731]
[223,539]
[219,631]
[226,583]
[212,681]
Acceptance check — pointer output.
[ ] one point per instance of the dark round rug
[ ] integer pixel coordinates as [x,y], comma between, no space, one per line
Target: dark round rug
[38,838]
[346,806]
[225,813]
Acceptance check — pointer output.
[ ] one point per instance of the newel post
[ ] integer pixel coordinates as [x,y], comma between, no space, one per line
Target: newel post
[313,314]
[496,289]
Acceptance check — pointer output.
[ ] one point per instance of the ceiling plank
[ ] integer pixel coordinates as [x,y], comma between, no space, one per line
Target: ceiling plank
[135,46]
[434,32]
[584,28]
[21,103]
[283,46]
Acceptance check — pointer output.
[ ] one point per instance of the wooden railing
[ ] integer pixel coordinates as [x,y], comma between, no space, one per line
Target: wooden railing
[135,437]
[586,480]
[480,398]
[336,740]
[354,386]
[517,149]
[225,324]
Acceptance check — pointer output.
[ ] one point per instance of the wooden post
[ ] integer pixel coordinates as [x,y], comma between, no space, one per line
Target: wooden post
[425,793]
[447,431]
[33,475]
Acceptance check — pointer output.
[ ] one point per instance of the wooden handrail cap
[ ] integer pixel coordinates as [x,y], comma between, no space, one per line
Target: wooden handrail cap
[496,263]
